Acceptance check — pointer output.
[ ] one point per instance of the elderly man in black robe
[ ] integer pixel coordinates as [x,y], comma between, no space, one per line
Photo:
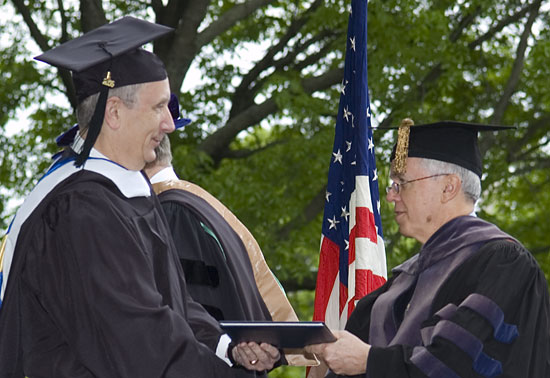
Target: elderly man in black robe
[93,284]
[472,303]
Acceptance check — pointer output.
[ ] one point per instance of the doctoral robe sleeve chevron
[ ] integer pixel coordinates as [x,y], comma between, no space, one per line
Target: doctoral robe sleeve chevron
[489,319]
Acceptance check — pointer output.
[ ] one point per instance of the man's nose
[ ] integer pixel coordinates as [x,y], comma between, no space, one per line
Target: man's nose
[168,125]
[391,195]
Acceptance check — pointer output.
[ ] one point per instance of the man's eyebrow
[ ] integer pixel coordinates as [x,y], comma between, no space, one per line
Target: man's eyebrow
[163,101]
[398,176]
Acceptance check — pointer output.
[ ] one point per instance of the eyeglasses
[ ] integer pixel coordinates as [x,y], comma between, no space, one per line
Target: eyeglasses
[396,187]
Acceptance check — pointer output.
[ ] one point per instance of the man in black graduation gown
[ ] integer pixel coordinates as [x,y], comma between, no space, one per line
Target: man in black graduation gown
[94,287]
[472,303]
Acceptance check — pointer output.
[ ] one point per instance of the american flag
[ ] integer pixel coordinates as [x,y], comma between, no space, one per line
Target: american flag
[352,260]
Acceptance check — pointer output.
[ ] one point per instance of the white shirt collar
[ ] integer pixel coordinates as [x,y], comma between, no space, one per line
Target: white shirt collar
[130,183]
[165,174]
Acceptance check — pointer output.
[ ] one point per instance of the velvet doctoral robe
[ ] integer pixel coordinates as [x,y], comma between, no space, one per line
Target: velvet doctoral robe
[217,270]
[224,267]
[472,303]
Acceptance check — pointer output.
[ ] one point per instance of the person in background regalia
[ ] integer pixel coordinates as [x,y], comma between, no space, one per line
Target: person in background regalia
[223,265]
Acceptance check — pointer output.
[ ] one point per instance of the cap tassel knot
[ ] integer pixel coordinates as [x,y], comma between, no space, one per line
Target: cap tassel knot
[108,82]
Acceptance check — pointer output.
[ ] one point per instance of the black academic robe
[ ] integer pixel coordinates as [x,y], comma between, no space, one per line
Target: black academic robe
[489,317]
[215,261]
[224,266]
[96,290]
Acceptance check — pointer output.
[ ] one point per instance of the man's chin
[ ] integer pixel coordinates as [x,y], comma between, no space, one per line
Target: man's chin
[403,230]
[150,158]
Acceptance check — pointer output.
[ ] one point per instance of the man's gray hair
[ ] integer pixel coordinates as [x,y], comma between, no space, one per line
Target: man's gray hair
[164,155]
[471,183]
[85,110]
[164,152]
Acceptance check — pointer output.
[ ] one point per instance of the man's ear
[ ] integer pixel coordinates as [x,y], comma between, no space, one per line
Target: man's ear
[113,112]
[452,188]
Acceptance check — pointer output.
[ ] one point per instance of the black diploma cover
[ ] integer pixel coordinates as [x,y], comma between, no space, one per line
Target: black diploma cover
[291,335]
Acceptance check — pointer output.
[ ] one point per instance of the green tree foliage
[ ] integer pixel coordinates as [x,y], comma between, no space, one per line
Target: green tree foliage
[261,81]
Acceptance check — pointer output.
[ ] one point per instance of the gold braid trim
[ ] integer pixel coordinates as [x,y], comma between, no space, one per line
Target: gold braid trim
[402,148]
[2,249]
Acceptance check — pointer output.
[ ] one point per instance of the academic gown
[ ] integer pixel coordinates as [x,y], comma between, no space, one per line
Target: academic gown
[215,262]
[216,268]
[225,269]
[96,290]
[489,316]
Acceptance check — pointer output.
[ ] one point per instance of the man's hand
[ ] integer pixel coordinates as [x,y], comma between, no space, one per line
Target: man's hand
[346,356]
[255,356]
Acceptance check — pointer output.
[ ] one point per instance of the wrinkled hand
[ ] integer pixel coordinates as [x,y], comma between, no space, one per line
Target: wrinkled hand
[255,356]
[346,356]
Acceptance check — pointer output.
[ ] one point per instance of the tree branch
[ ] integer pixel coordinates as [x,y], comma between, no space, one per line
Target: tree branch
[228,19]
[64,21]
[244,153]
[221,138]
[309,213]
[157,7]
[42,42]
[216,144]
[248,95]
[523,156]
[436,71]
[244,95]
[314,58]
[305,283]
[92,15]
[463,24]
[179,49]
[514,77]
[515,150]
[499,26]
[416,94]
[36,35]
[171,13]
[539,164]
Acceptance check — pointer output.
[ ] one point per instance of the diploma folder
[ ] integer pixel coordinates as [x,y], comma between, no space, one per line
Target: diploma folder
[291,335]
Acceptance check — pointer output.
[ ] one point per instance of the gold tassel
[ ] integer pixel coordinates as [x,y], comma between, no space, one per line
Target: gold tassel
[402,148]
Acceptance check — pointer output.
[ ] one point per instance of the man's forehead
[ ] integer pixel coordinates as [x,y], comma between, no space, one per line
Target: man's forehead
[156,91]
[413,166]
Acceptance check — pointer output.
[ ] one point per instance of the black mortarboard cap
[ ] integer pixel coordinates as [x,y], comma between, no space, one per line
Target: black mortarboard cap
[108,57]
[449,141]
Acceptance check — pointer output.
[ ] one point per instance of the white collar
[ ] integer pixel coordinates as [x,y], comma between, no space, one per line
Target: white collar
[130,183]
[164,174]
